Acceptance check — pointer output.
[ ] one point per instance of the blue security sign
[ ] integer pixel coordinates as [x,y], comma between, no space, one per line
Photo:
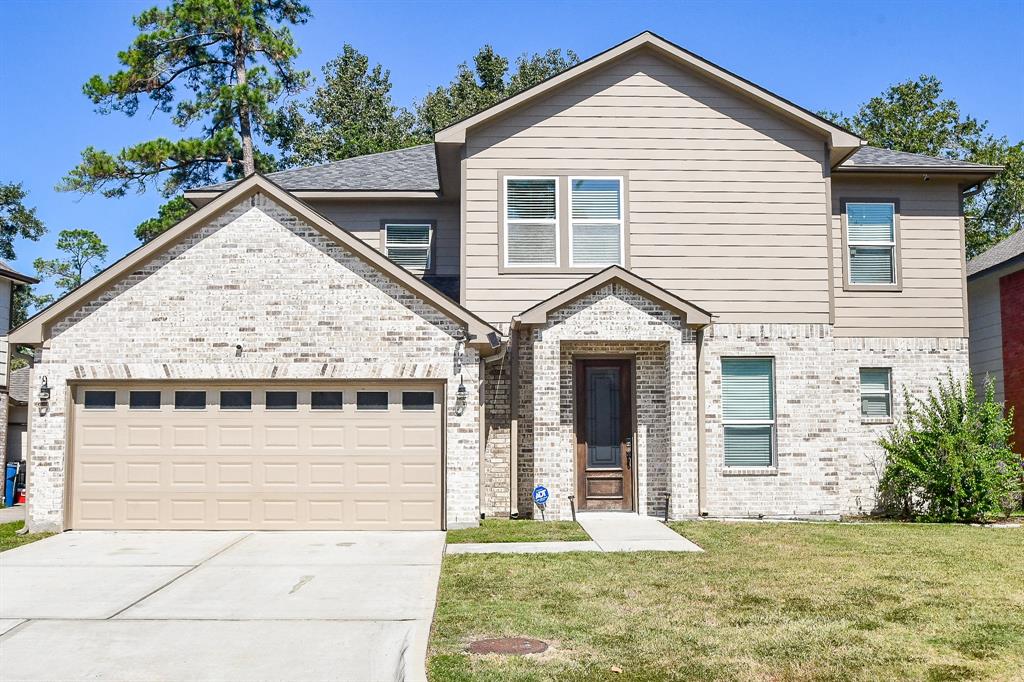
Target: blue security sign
[540,495]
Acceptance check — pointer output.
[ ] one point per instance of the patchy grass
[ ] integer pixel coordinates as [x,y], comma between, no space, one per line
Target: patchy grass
[8,539]
[823,601]
[519,530]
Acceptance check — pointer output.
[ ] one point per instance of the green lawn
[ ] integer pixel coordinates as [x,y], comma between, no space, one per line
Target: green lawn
[764,602]
[519,530]
[8,540]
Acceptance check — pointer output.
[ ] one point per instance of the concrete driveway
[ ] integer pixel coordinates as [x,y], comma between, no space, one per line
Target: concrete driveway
[219,606]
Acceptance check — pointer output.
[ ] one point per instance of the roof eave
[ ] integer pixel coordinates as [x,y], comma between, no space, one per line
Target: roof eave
[200,198]
[987,171]
[17,277]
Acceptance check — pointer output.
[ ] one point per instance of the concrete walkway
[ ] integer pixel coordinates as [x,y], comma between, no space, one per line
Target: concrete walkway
[176,605]
[15,513]
[609,532]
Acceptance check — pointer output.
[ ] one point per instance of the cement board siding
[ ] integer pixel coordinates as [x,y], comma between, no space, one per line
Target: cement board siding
[362,218]
[931,302]
[726,200]
[986,333]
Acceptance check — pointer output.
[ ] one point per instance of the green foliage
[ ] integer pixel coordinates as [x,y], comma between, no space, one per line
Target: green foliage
[16,219]
[235,57]
[486,84]
[85,252]
[949,457]
[352,114]
[170,213]
[912,117]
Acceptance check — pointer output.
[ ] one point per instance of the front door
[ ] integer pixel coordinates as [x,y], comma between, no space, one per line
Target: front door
[604,434]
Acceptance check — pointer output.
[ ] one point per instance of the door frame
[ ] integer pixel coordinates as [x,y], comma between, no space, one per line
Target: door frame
[579,428]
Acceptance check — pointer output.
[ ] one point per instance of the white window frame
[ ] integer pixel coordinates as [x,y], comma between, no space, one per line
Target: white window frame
[851,245]
[555,222]
[887,393]
[621,220]
[773,460]
[429,246]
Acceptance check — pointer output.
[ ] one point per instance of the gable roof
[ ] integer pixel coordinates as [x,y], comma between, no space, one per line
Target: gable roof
[693,315]
[1006,252]
[12,274]
[869,158]
[838,136]
[17,386]
[413,169]
[36,329]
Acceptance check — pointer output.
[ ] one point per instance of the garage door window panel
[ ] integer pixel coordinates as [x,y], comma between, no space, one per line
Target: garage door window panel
[236,400]
[100,400]
[190,400]
[372,400]
[327,400]
[418,400]
[282,400]
[144,400]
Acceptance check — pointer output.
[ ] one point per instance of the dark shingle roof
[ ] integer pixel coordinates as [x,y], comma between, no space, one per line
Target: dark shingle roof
[876,157]
[404,170]
[18,388]
[10,273]
[1006,250]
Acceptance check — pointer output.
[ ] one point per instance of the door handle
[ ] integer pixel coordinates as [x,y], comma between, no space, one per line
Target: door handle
[629,452]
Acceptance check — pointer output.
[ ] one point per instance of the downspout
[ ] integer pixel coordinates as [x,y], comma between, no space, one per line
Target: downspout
[513,455]
[701,426]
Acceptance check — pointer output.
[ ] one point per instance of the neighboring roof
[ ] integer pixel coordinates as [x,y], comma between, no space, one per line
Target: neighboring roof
[36,329]
[869,158]
[1006,252]
[10,273]
[413,169]
[18,386]
[838,136]
[693,315]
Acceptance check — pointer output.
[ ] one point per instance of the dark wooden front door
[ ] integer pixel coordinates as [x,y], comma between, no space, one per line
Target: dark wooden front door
[604,434]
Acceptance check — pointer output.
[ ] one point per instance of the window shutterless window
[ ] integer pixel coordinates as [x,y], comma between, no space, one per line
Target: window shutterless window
[281,400]
[409,244]
[595,221]
[100,400]
[236,400]
[876,392]
[372,400]
[190,400]
[871,243]
[326,400]
[417,400]
[531,222]
[748,411]
[144,400]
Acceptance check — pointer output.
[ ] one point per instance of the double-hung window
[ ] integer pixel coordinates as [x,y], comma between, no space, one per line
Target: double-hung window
[595,226]
[531,222]
[876,392]
[748,411]
[871,243]
[409,244]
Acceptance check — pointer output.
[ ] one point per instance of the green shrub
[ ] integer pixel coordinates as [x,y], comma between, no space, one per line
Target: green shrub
[949,457]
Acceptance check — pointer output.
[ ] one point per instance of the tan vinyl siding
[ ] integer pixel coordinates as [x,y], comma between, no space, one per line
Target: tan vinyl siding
[931,300]
[725,199]
[362,218]
[986,345]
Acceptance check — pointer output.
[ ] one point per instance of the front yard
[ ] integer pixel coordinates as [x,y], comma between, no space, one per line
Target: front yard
[764,602]
[519,530]
[9,539]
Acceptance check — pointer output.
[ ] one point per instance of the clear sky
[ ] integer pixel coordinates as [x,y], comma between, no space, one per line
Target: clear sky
[821,55]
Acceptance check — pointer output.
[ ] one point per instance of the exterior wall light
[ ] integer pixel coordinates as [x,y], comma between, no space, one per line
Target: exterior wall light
[460,350]
[460,398]
[44,391]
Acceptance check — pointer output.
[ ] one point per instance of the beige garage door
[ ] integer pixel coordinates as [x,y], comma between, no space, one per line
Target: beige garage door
[272,457]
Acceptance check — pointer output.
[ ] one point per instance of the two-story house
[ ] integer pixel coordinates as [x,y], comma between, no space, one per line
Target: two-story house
[12,426]
[643,282]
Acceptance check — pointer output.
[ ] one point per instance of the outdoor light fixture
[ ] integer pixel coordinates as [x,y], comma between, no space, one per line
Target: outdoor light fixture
[460,350]
[44,391]
[460,398]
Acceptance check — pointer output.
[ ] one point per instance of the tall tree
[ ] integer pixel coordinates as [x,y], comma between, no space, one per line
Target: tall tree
[350,114]
[912,117]
[487,83]
[85,252]
[169,214]
[236,60]
[16,219]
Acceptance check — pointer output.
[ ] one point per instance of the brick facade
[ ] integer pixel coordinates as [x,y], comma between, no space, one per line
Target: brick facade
[1011,311]
[300,305]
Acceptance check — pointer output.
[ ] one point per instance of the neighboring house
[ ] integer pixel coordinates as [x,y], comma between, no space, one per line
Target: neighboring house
[17,415]
[9,279]
[995,291]
[663,280]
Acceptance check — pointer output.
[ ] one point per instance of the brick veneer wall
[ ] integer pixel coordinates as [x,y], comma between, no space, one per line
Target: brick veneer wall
[1011,311]
[301,306]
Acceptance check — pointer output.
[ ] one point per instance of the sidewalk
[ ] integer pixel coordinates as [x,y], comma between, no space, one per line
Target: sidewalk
[609,532]
[15,513]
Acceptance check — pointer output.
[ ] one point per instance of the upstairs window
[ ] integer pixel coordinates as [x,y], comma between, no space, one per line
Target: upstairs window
[531,222]
[748,411]
[595,224]
[871,242]
[876,392]
[409,244]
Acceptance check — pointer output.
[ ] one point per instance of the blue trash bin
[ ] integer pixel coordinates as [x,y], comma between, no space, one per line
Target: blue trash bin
[10,479]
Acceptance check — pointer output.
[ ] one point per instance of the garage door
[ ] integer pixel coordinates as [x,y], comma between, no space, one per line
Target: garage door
[273,457]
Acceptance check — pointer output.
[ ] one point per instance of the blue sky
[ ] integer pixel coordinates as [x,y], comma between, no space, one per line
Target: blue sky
[830,55]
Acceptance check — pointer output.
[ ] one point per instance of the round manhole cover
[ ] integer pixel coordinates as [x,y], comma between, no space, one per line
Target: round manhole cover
[508,646]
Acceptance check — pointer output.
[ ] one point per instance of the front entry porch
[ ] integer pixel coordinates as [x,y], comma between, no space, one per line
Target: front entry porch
[604,433]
